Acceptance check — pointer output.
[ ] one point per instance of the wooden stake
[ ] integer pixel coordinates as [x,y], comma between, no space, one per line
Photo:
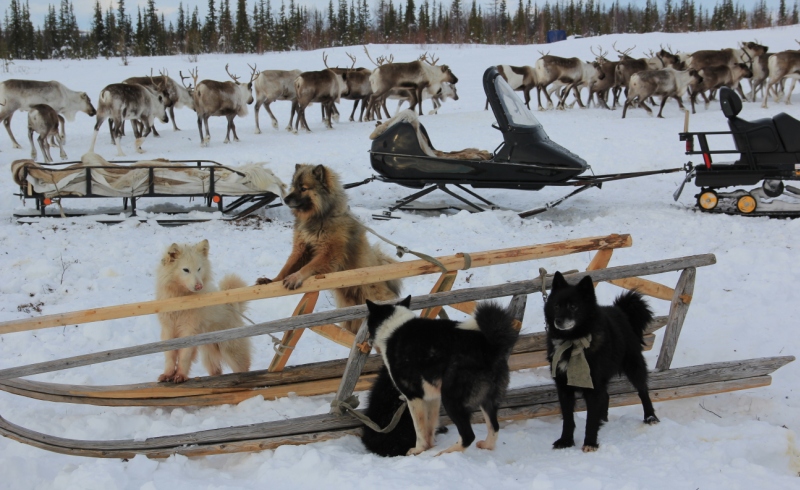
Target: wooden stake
[677,314]
[292,337]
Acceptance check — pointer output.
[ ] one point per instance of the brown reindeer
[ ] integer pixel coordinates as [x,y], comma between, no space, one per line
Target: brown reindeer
[177,94]
[607,84]
[44,120]
[358,87]
[716,77]
[325,87]
[229,99]
[419,75]
[570,73]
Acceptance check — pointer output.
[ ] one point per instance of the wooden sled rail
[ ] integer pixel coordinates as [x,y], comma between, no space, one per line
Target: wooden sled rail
[355,312]
[520,403]
[335,280]
[309,379]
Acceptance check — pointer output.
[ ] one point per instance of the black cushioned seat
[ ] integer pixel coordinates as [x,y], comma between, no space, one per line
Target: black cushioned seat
[760,136]
[789,131]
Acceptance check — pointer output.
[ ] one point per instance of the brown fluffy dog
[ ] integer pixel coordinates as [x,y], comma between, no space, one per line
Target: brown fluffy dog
[186,270]
[328,238]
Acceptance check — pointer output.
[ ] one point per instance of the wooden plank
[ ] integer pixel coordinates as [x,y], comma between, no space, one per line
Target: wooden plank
[291,337]
[523,360]
[445,283]
[677,314]
[242,381]
[681,382]
[335,333]
[517,309]
[646,287]
[351,313]
[467,307]
[335,280]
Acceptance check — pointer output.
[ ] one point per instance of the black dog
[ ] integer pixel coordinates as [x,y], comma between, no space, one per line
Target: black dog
[587,345]
[460,365]
[384,400]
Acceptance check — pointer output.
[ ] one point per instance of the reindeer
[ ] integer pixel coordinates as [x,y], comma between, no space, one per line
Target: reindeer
[760,75]
[520,78]
[178,95]
[716,77]
[666,83]
[419,75]
[229,99]
[728,56]
[121,101]
[570,73]
[272,85]
[325,87]
[406,95]
[785,64]
[602,87]
[627,67]
[24,94]
[358,87]
[44,120]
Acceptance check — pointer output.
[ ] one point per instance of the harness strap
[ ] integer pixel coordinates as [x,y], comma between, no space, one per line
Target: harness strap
[401,250]
[350,405]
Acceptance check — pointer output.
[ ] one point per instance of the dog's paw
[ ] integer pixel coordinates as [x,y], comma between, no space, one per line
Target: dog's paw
[563,443]
[294,281]
[165,377]
[651,420]
[179,378]
[590,448]
[485,445]
[415,450]
[263,280]
[441,430]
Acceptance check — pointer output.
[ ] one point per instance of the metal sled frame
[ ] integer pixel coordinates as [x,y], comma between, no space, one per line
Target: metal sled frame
[211,196]
[520,403]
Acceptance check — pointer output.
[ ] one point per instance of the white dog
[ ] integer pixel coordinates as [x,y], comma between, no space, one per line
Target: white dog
[186,270]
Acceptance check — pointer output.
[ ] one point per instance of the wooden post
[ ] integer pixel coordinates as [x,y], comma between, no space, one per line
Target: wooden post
[355,364]
[600,260]
[445,283]
[517,309]
[677,314]
[292,337]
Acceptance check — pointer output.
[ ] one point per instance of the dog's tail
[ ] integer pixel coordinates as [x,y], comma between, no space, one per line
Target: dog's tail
[637,310]
[497,324]
[395,284]
[232,281]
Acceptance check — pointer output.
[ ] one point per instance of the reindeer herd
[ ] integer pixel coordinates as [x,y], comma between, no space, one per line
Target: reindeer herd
[143,99]
[665,74]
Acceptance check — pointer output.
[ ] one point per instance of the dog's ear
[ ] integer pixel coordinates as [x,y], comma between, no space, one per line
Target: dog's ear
[371,306]
[406,302]
[173,252]
[559,281]
[321,174]
[203,247]
[586,285]
[297,167]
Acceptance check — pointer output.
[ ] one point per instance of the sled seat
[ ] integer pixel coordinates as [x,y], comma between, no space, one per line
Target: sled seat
[759,136]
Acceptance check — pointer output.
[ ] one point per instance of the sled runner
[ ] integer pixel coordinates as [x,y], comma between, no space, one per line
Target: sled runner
[767,151]
[527,159]
[521,403]
[251,186]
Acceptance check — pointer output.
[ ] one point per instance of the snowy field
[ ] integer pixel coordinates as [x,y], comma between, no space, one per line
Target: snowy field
[745,306]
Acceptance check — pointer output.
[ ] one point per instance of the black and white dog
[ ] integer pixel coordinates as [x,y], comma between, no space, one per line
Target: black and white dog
[588,344]
[462,366]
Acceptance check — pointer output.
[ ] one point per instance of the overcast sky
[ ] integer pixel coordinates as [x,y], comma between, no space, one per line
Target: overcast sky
[84,8]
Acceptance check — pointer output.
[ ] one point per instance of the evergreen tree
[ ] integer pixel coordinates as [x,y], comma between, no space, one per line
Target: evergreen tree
[210,36]
[241,36]
[99,44]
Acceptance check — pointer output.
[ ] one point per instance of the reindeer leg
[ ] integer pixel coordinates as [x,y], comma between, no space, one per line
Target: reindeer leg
[228,130]
[45,147]
[789,92]
[628,102]
[643,104]
[60,141]
[153,129]
[233,127]
[363,106]
[663,101]
[708,102]
[63,128]
[205,123]
[385,110]
[97,126]
[291,118]
[117,124]
[172,117]
[692,99]
[200,129]
[271,115]
[680,102]
[33,147]
[353,114]
[257,107]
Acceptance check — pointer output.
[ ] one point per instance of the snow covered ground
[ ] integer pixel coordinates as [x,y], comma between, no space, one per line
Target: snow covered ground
[745,306]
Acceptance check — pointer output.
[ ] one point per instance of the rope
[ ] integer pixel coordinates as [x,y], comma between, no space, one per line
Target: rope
[542,276]
[401,250]
[277,344]
[350,405]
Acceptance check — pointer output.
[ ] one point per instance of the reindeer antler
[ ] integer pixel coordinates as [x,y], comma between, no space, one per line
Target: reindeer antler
[625,53]
[542,53]
[433,60]
[353,58]
[191,87]
[234,77]
[325,60]
[370,57]
[600,56]
[253,72]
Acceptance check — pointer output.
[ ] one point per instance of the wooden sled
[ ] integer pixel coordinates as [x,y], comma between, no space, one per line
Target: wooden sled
[521,403]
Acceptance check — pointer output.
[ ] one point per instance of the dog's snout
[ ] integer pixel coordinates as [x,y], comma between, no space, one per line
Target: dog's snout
[198,286]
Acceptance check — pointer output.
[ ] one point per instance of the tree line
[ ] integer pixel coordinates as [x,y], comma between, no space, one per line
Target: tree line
[262,26]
